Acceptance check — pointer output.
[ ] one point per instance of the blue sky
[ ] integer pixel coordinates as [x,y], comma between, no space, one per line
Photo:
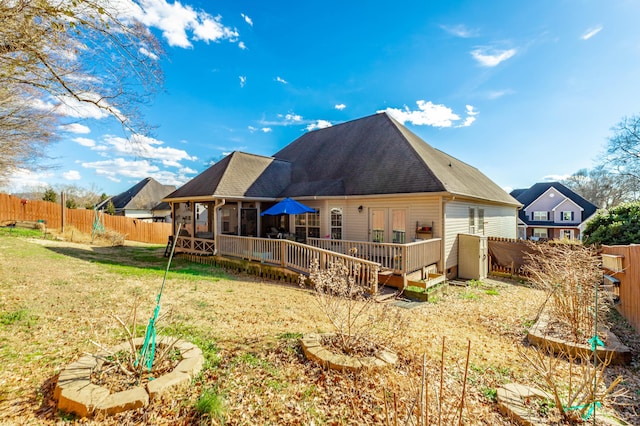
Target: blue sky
[524,91]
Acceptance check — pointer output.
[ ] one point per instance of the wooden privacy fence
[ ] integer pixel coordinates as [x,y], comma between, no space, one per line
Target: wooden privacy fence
[621,265]
[14,209]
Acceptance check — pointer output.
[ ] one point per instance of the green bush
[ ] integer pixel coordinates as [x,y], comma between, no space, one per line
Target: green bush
[619,225]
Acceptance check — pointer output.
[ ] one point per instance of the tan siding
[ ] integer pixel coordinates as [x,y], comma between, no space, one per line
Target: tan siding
[500,221]
[423,210]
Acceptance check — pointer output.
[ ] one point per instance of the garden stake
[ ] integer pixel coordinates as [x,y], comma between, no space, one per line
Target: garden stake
[148,349]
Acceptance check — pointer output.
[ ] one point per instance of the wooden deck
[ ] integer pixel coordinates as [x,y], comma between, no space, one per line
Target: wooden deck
[365,259]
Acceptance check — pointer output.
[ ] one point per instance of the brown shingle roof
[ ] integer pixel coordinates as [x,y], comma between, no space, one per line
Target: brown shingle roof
[369,156]
[238,175]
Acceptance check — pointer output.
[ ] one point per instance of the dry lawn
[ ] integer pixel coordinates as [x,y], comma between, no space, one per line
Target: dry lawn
[56,297]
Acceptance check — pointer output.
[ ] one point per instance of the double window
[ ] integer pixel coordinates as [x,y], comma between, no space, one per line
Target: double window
[540,216]
[308,225]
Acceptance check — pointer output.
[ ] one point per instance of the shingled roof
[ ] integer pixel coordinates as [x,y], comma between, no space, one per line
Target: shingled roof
[374,155]
[378,155]
[142,196]
[529,195]
[238,175]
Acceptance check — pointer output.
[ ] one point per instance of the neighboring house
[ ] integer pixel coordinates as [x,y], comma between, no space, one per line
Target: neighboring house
[161,212]
[552,211]
[139,200]
[370,179]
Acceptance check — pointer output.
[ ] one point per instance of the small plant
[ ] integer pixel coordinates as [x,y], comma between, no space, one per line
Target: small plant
[570,275]
[492,292]
[360,325]
[585,391]
[211,404]
[490,393]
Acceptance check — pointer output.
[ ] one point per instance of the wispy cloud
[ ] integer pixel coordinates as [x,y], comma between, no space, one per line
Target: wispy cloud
[555,178]
[77,128]
[281,80]
[243,80]
[247,19]
[340,107]
[262,129]
[490,57]
[460,31]
[148,53]
[90,143]
[318,124]
[430,114]
[591,32]
[242,46]
[147,148]
[25,180]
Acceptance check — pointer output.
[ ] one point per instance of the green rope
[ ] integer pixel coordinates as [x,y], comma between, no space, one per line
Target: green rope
[595,341]
[592,406]
[148,349]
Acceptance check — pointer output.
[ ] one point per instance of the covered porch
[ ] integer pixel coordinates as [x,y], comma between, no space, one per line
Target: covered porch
[236,228]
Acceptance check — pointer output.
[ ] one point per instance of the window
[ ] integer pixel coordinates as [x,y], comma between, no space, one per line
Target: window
[377,225]
[567,234]
[481,220]
[472,220]
[399,228]
[308,225]
[568,216]
[336,223]
[229,217]
[540,216]
[540,232]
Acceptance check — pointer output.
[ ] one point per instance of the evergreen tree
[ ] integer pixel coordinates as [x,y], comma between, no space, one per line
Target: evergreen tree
[50,195]
[618,225]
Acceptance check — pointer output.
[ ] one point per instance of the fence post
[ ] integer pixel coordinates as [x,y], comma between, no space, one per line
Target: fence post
[62,212]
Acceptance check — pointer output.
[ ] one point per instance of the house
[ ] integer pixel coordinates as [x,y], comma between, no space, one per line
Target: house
[369,180]
[552,211]
[139,200]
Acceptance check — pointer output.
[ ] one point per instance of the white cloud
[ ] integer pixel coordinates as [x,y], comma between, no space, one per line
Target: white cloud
[118,168]
[91,106]
[495,94]
[247,19]
[243,80]
[318,124]
[340,107]
[145,147]
[555,178]
[85,142]
[281,80]
[591,32]
[71,175]
[428,114]
[242,46]
[24,180]
[471,116]
[75,128]
[148,54]
[291,117]
[266,130]
[459,31]
[489,57]
[175,21]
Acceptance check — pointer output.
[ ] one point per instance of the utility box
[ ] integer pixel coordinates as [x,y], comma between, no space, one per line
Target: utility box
[473,257]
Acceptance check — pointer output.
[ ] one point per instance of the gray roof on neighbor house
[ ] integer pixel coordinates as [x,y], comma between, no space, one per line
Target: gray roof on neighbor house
[374,155]
[239,175]
[142,196]
[529,195]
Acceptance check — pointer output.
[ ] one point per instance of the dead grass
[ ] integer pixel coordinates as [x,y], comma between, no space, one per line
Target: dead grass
[56,296]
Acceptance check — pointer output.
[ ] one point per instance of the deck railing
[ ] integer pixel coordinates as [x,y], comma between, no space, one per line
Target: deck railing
[297,256]
[401,258]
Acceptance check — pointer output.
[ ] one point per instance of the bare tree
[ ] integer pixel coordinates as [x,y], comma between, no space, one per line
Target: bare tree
[66,58]
[624,147]
[602,187]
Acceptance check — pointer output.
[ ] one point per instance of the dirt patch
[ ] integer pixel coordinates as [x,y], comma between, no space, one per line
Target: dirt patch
[55,298]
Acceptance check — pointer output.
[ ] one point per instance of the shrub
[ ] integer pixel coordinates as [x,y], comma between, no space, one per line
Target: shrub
[570,274]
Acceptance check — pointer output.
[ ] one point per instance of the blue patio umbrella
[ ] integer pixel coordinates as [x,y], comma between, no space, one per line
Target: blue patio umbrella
[287,206]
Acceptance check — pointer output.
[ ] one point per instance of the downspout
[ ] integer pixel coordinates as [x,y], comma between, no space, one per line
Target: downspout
[216,205]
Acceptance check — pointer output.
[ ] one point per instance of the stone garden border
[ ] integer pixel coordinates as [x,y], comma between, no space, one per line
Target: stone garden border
[315,351]
[615,350]
[76,394]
